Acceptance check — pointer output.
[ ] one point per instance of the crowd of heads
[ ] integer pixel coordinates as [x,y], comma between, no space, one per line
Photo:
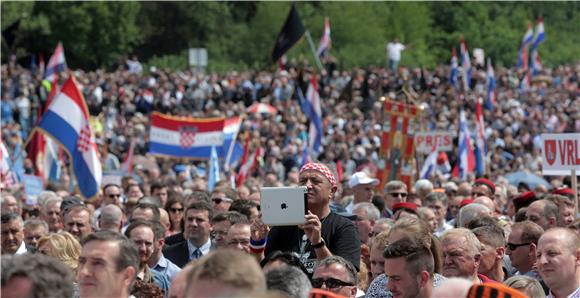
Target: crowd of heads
[159,230]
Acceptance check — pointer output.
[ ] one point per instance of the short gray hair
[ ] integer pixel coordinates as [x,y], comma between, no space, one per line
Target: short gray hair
[371,210]
[436,196]
[46,195]
[51,200]
[289,280]
[471,212]
[395,184]
[49,276]
[473,244]
[423,185]
[33,223]
[351,270]
[110,215]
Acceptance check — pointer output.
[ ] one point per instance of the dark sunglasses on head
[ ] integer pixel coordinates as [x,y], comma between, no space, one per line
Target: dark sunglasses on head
[175,210]
[512,246]
[331,283]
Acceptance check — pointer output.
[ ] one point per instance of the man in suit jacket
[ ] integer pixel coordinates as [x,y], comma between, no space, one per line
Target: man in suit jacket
[197,231]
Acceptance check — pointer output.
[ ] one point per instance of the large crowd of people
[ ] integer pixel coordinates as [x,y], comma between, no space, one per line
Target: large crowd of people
[159,231]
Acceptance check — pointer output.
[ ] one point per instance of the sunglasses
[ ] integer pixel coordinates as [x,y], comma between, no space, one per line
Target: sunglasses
[331,283]
[114,196]
[218,201]
[512,246]
[175,210]
[398,194]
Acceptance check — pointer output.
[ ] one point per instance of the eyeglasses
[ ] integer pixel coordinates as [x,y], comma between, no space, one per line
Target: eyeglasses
[218,201]
[331,283]
[114,195]
[512,246]
[398,194]
[175,210]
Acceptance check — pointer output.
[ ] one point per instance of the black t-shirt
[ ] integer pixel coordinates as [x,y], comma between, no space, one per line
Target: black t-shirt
[339,233]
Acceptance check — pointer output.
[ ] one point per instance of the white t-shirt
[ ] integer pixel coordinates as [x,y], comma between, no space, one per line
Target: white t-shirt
[394,50]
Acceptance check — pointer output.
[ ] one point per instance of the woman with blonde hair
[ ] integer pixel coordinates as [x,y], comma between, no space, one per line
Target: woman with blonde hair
[63,246]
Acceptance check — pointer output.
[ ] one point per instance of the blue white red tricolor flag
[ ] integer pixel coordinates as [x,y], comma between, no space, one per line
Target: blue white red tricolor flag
[465,65]
[325,41]
[8,177]
[539,37]
[479,140]
[185,137]
[311,108]
[523,51]
[67,121]
[454,70]
[430,163]
[231,149]
[56,64]
[466,159]
[490,78]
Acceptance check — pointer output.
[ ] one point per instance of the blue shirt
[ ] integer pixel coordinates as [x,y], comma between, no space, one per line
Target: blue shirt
[204,248]
[166,268]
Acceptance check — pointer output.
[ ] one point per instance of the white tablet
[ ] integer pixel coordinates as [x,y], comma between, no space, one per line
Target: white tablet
[283,206]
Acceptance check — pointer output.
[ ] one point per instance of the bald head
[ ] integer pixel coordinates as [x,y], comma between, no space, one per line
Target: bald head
[111,218]
[487,202]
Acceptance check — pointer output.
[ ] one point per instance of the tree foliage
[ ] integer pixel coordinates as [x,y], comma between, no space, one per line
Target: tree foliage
[241,34]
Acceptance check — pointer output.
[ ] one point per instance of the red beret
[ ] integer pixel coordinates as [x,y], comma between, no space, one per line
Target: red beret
[565,191]
[466,202]
[524,199]
[485,182]
[411,207]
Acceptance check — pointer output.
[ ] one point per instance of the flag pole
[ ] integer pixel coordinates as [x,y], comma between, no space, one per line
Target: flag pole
[313,49]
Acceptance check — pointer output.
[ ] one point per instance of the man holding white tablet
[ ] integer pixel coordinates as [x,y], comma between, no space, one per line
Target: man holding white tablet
[323,233]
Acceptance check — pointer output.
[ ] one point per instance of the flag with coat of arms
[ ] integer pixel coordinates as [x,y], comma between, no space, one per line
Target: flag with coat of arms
[67,122]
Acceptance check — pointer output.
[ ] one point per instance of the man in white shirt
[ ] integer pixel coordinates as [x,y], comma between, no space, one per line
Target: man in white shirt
[559,262]
[394,49]
[12,234]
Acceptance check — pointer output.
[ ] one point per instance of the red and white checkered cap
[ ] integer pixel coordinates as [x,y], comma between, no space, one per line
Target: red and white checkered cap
[323,169]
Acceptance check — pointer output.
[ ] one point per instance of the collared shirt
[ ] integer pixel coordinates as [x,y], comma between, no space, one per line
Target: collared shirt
[575,294]
[442,229]
[204,248]
[22,249]
[167,268]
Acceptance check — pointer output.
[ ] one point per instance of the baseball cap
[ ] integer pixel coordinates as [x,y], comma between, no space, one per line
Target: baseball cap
[361,178]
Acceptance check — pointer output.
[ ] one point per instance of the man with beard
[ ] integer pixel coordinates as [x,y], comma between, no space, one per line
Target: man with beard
[324,233]
[142,233]
[409,266]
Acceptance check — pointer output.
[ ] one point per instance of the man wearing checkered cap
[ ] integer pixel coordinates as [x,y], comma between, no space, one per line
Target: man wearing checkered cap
[324,233]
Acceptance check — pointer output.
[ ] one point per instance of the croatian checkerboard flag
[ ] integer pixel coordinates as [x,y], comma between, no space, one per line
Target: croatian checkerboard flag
[538,38]
[466,161]
[67,121]
[490,100]
[185,137]
[56,64]
[523,52]
[465,65]
[325,41]
[311,108]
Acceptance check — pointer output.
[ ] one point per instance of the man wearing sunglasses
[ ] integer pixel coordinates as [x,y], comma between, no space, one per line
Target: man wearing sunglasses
[222,199]
[395,192]
[111,194]
[522,245]
[337,275]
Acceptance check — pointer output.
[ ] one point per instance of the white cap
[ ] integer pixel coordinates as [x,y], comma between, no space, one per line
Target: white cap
[361,178]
